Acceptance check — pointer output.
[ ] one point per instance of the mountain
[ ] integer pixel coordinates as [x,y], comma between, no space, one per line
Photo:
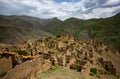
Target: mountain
[59,57]
[14,29]
[20,28]
[106,30]
[52,25]
[69,26]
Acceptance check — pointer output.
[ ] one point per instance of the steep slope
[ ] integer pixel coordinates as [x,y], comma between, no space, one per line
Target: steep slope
[52,25]
[106,30]
[14,29]
[70,25]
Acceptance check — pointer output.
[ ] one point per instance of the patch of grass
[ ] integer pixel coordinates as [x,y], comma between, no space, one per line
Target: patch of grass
[93,70]
[53,49]
[72,53]
[39,40]
[62,73]
[47,39]
[22,52]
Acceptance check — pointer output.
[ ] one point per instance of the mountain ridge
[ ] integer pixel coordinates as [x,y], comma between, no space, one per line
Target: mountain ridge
[103,29]
[20,29]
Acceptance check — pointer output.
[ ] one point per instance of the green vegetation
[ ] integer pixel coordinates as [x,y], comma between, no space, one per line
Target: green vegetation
[106,30]
[16,29]
[78,68]
[62,73]
[66,41]
[73,53]
[39,40]
[58,36]
[2,74]
[52,24]
[93,70]
[22,52]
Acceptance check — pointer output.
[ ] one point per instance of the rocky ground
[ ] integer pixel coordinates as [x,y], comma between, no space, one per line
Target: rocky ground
[90,58]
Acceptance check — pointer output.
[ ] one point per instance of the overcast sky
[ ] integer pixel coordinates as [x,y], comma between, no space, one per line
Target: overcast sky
[63,9]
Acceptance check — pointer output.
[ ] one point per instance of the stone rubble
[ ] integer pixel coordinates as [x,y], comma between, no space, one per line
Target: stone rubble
[63,50]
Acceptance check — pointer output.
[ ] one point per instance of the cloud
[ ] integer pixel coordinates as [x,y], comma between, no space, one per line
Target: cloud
[83,9]
[112,3]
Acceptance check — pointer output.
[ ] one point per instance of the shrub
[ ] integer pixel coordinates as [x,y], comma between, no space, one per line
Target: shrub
[48,38]
[93,70]
[78,68]
[72,53]
[66,41]
[2,74]
[22,52]
[39,40]
[58,36]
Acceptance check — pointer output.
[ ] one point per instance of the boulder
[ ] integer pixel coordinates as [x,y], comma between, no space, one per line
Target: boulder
[5,64]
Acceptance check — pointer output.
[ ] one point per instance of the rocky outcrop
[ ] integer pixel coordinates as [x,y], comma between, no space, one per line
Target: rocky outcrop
[28,69]
[9,60]
[109,67]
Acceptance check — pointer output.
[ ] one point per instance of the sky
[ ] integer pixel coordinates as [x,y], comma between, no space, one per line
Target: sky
[62,9]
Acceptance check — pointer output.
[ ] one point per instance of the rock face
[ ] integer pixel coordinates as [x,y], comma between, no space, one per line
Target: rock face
[9,60]
[63,50]
[28,69]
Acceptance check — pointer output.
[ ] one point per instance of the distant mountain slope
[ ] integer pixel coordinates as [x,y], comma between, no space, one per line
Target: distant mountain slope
[56,26]
[18,28]
[14,29]
[52,25]
[106,30]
